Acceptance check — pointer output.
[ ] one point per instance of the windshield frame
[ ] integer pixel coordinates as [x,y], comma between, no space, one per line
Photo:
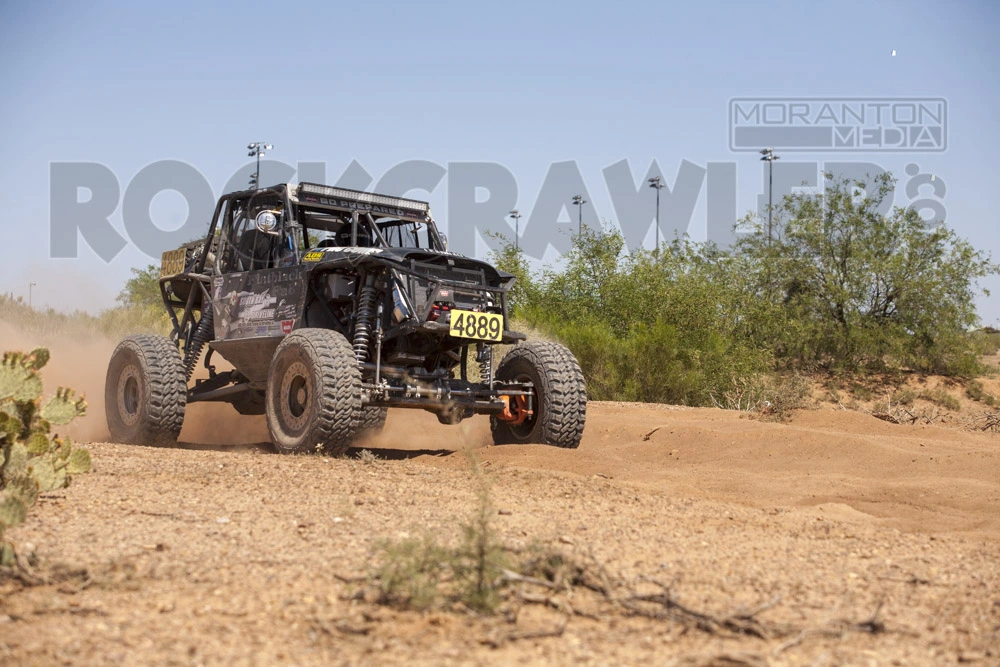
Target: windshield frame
[402,227]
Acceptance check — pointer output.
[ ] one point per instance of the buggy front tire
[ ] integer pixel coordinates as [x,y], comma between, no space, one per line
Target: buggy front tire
[559,401]
[313,398]
[145,392]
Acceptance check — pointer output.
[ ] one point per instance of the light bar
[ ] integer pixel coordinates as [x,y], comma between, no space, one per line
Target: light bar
[363,197]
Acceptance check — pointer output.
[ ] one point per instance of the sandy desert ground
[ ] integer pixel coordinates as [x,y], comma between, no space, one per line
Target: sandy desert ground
[834,538]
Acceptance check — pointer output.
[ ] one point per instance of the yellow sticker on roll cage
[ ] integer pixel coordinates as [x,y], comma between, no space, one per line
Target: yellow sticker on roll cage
[477,326]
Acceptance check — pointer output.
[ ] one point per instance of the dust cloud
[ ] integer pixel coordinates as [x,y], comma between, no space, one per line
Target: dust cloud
[418,430]
[80,361]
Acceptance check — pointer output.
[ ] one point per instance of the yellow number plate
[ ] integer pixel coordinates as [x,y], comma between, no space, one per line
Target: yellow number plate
[477,326]
[172,262]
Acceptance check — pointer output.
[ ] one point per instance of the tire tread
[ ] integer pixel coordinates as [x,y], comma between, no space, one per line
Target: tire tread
[164,375]
[564,394]
[339,414]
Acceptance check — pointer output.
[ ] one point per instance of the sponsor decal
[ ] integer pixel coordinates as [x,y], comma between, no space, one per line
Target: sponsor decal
[256,306]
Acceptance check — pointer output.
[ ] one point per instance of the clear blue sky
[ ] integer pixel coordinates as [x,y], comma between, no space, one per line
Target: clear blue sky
[523,84]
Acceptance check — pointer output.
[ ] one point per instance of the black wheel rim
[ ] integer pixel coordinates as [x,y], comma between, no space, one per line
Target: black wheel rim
[129,393]
[296,393]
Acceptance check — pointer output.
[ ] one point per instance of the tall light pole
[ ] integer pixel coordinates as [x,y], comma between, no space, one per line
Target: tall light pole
[256,150]
[579,201]
[517,227]
[769,157]
[656,184]
[30,286]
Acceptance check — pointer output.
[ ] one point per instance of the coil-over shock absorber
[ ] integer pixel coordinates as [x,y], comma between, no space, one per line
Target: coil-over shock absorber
[202,334]
[484,355]
[366,314]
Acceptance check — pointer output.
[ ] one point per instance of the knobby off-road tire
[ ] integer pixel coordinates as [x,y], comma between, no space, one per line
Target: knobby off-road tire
[372,421]
[145,391]
[313,396]
[560,401]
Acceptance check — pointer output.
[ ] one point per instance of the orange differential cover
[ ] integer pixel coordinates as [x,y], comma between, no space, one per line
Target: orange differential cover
[515,410]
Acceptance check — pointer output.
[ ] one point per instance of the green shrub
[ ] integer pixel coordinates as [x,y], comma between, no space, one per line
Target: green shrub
[839,286]
[941,397]
[772,397]
[787,393]
[861,392]
[858,289]
[905,397]
[974,390]
[525,291]
[653,326]
[409,572]
[420,573]
[31,461]
[481,556]
[986,341]
[654,363]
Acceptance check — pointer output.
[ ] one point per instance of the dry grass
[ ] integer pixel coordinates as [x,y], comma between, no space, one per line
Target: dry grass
[113,323]
[773,397]
[913,398]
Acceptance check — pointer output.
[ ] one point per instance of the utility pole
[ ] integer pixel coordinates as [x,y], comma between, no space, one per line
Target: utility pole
[517,228]
[769,157]
[657,185]
[579,201]
[30,286]
[256,150]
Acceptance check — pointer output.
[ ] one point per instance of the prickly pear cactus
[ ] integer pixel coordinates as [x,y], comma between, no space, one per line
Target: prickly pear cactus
[32,461]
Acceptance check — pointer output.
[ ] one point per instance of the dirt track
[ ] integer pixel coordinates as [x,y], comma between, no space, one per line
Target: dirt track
[226,554]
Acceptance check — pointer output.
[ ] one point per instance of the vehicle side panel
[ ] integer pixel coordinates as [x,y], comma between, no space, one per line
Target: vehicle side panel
[254,304]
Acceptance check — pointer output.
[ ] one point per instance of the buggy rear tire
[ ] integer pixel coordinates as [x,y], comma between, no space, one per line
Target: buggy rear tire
[372,421]
[145,391]
[313,398]
[560,396]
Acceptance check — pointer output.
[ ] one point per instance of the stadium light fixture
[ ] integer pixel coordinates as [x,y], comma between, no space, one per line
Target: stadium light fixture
[579,201]
[517,227]
[257,149]
[769,157]
[657,184]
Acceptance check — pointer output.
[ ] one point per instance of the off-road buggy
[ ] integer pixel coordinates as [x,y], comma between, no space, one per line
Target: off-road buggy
[332,305]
